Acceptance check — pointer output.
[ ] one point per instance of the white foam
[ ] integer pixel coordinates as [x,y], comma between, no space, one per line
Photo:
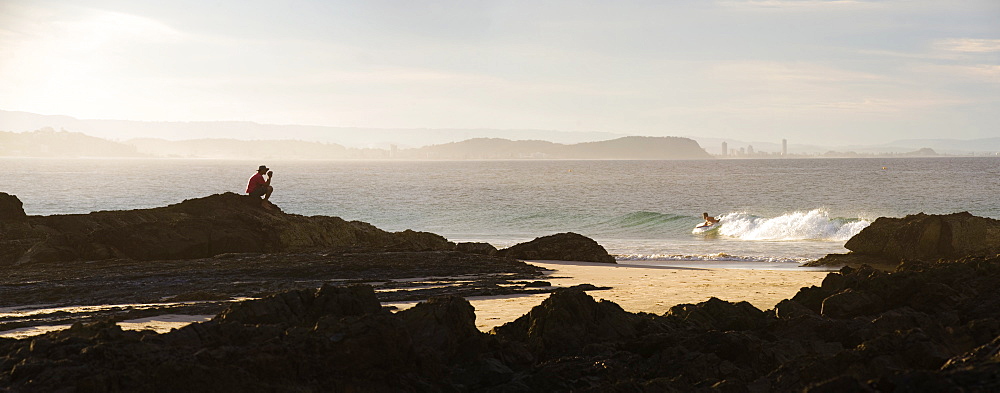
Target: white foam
[718,257]
[811,225]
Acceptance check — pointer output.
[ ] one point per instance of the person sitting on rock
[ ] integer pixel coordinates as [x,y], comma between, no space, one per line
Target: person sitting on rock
[709,220]
[258,187]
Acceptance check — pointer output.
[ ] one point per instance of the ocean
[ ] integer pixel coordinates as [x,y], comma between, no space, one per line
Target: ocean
[774,212]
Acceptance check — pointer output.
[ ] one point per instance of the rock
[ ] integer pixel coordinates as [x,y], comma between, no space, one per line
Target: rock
[446,327]
[560,247]
[304,306]
[476,248]
[720,315]
[842,384]
[851,303]
[11,207]
[196,228]
[887,241]
[789,309]
[567,321]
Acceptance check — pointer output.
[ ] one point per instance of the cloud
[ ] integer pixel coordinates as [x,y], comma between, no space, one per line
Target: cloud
[968,45]
[769,71]
[797,4]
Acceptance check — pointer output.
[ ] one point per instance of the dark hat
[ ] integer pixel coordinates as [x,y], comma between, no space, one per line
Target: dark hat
[262,168]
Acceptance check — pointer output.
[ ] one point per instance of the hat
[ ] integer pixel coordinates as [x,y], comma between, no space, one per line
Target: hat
[262,168]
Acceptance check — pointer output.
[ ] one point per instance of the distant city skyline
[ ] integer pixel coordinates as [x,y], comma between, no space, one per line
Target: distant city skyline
[837,72]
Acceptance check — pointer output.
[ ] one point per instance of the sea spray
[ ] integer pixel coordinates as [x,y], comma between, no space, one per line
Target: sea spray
[815,224]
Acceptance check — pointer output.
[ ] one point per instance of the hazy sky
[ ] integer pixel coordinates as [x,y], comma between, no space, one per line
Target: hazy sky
[825,72]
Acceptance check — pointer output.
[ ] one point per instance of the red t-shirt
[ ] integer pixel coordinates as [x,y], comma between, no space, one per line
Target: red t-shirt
[255,181]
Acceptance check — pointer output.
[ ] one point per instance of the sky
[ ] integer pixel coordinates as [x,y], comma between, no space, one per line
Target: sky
[811,71]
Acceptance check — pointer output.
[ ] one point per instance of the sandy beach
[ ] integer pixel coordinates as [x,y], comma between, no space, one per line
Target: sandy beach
[651,289]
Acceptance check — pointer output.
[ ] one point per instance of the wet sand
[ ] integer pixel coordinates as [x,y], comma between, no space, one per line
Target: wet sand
[653,289]
[636,287]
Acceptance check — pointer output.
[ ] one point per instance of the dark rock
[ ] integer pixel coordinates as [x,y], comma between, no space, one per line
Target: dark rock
[927,326]
[569,320]
[788,309]
[560,247]
[538,284]
[851,303]
[444,326]
[842,384]
[11,207]
[887,241]
[304,306]
[196,228]
[720,315]
[476,248]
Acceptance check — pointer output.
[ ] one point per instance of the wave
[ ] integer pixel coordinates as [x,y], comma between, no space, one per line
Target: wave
[801,225]
[811,225]
[642,220]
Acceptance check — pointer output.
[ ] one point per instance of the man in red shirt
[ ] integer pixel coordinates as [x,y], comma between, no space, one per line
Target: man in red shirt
[258,187]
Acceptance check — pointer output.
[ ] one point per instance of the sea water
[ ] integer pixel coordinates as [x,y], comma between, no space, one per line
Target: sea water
[773,211]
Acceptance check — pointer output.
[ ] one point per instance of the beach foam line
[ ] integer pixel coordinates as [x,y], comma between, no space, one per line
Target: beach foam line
[718,257]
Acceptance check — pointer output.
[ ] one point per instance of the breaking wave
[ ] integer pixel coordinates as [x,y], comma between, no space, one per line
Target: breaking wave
[810,225]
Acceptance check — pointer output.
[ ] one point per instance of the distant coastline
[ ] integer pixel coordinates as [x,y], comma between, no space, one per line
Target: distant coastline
[51,143]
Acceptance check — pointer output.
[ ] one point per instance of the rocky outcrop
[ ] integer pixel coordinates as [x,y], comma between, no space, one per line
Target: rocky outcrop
[888,241]
[925,327]
[195,228]
[560,247]
[11,207]
[476,248]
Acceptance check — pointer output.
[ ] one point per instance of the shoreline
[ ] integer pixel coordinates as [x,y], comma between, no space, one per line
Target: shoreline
[635,287]
[649,289]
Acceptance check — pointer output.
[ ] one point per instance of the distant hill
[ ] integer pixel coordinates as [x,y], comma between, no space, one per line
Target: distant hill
[952,145]
[627,148]
[351,137]
[238,149]
[50,143]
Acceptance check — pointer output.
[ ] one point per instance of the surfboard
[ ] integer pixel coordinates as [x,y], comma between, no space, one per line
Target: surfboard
[705,228]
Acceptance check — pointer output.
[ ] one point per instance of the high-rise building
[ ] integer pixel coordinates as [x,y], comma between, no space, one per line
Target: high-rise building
[725,149]
[784,147]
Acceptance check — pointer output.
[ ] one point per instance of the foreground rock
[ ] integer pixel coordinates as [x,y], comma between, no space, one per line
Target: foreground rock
[925,327]
[888,241]
[195,228]
[206,286]
[560,247]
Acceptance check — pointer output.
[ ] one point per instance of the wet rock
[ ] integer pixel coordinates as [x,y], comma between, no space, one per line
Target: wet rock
[560,247]
[304,306]
[538,284]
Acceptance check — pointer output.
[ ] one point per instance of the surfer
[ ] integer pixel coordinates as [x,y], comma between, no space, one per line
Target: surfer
[709,220]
